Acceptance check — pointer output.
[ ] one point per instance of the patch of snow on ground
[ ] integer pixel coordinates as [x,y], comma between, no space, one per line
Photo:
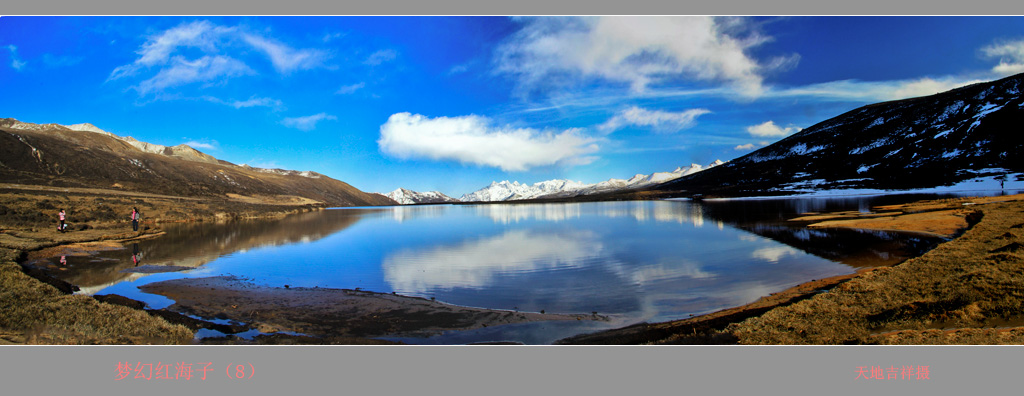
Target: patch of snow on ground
[876,144]
[952,109]
[986,184]
[951,154]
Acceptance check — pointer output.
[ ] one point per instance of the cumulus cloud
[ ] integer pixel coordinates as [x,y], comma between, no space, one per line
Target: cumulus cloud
[380,57]
[745,147]
[659,121]
[285,58]
[1010,55]
[769,129]
[637,50]
[350,89]
[307,123]
[474,140]
[199,52]
[16,63]
[478,263]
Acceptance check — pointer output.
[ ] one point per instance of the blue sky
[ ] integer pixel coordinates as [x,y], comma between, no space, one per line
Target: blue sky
[453,103]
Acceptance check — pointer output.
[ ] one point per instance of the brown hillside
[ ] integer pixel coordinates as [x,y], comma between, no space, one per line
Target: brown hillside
[55,155]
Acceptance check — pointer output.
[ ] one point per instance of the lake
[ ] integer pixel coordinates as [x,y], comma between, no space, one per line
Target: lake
[634,261]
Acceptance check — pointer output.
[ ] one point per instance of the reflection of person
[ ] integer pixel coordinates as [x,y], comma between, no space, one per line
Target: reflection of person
[135,219]
[60,227]
[63,260]
[136,257]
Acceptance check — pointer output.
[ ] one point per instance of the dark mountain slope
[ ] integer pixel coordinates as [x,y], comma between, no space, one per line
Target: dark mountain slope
[936,140]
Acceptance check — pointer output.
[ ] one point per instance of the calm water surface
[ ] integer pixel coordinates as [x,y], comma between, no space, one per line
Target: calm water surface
[637,261]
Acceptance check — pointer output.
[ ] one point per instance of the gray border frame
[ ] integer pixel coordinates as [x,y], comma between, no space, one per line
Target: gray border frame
[519,7]
[510,369]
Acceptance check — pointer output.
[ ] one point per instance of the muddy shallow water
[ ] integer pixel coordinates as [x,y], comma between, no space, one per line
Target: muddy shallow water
[633,261]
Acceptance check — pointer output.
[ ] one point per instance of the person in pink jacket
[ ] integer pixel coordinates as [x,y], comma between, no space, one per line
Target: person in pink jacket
[60,215]
[135,219]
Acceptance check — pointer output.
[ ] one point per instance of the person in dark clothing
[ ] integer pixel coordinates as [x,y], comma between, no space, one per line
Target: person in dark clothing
[60,227]
[135,219]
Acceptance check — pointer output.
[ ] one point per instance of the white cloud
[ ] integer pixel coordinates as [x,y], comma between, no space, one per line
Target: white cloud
[660,121]
[16,63]
[349,89]
[458,69]
[307,123]
[256,102]
[1010,55]
[380,57]
[744,147]
[636,50]
[210,58]
[251,102]
[874,91]
[774,254]
[158,48]
[473,139]
[203,145]
[183,71]
[479,262]
[332,36]
[769,129]
[285,58]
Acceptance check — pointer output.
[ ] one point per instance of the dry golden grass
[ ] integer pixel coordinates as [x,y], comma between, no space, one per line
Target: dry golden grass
[36,313]
[972,282]
[33,312]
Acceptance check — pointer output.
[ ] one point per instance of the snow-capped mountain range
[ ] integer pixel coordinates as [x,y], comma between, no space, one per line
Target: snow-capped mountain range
[408,197]
[510,191]
[968,133]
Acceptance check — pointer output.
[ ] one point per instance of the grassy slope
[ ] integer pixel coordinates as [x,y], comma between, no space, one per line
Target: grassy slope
[36,313]
[965,284]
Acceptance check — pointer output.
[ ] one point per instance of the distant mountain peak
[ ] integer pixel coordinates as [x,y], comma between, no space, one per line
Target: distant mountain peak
[506,191]
[405,196]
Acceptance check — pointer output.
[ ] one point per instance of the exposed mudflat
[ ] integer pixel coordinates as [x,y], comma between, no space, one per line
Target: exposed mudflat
[331,312]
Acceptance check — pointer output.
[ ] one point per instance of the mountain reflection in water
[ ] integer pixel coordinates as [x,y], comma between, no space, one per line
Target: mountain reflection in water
[637,261]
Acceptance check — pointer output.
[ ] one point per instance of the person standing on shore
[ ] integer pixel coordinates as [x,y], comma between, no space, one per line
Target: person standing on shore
[135,219]
[60,215]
